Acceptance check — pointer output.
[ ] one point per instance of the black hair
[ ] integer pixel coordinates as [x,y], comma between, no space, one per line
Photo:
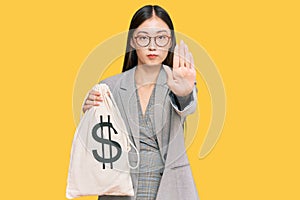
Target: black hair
[138,18]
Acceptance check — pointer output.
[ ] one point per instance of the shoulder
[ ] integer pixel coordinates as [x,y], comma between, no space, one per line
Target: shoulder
[112,81]
[115,80]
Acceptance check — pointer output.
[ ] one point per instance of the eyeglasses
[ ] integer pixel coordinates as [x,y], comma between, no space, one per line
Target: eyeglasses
[160,40]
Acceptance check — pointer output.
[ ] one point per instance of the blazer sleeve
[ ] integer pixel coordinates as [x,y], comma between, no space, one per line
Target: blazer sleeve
[184,105]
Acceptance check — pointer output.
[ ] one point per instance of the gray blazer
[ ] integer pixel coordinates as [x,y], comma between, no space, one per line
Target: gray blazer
[177,182]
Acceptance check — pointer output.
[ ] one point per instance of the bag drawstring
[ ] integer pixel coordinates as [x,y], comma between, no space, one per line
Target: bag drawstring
[121,120]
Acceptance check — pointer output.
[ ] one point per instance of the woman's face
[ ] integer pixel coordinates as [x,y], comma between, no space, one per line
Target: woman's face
[152,40]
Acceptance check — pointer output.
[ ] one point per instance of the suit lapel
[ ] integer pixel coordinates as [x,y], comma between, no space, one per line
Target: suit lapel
[161,92]
[129,101]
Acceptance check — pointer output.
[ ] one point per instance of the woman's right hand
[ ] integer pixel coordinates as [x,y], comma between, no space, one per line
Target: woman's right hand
[93,99]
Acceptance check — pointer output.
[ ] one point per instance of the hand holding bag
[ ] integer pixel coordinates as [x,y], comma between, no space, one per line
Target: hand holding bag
[99,162]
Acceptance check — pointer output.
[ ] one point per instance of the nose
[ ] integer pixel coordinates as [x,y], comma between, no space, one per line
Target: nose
[152,45]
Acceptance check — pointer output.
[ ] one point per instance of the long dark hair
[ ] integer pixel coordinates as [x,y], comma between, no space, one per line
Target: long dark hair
[138,18]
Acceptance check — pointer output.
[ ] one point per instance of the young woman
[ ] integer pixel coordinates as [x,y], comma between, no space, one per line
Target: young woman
[154,93]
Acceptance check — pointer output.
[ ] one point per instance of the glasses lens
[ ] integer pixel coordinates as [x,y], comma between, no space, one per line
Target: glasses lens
[142,40]
[162,40]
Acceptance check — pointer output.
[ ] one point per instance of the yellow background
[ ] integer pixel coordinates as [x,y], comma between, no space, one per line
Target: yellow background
[255,45]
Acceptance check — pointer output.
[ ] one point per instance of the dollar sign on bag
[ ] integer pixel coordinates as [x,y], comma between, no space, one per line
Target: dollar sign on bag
[108,142]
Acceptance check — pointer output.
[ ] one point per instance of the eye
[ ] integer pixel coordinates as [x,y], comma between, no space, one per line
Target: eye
[162,37]
[142,37]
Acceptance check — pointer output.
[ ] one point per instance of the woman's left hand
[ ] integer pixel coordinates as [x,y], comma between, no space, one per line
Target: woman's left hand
[181,79]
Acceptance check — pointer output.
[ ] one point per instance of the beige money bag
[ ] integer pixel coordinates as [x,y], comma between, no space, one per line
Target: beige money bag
[99,162]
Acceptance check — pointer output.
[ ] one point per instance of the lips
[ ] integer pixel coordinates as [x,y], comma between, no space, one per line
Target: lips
[152,56]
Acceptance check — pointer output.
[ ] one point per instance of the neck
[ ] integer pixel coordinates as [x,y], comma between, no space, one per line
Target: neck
[146,74]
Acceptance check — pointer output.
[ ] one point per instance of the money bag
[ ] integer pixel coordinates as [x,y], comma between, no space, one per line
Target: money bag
[99,162]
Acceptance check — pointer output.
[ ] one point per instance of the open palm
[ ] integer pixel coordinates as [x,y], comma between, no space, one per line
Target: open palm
[181,79]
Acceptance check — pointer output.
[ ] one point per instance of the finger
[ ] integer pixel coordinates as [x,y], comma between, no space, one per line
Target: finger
[187,57]
[90,102]
[169,74]
[86,107]
[176,58]
[94,92]
[181,54]
[185,53]
[192,60]
[94,97]
[91,97]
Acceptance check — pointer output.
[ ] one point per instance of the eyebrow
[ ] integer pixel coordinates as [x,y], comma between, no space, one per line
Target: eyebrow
[148,33]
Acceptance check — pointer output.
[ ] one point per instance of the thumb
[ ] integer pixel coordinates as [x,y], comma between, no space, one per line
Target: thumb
[169,74]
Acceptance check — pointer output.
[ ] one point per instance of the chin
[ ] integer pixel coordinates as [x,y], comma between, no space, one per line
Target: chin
[153,63]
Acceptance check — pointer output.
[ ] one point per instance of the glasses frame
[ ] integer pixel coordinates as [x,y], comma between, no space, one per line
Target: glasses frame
[150,38]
